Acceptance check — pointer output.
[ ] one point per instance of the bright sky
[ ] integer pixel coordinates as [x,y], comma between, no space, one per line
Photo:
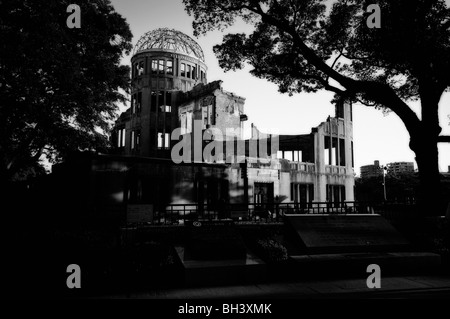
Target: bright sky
[376,137]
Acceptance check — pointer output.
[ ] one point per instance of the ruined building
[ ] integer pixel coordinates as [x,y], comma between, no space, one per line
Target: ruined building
[170,93]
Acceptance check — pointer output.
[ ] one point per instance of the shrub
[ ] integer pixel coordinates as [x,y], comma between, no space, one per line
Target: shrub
[271,250]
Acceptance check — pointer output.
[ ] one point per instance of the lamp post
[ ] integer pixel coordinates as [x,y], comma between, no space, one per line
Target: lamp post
[384,168]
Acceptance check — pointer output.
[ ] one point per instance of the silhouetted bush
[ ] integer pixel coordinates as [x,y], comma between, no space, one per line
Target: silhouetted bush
[271,251]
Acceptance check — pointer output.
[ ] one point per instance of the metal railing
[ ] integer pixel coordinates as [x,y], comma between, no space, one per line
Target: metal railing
[176,214]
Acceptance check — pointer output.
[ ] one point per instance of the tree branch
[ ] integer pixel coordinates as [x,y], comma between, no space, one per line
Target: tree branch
[444,139]
[378,92]
[327,86]
[335,60]
[364,103]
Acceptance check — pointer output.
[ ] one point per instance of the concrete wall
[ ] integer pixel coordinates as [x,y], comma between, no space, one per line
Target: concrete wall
[341,128]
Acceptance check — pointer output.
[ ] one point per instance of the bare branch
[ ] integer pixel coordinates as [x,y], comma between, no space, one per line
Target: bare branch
[335,60]
[364,103]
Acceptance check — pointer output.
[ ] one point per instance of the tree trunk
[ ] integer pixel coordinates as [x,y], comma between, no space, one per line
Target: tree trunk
[424,143]
[431,200]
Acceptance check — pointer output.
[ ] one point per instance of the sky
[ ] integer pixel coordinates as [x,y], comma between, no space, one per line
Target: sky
[375,136]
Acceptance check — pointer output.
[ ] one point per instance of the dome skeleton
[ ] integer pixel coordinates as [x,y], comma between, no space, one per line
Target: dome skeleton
[169,39]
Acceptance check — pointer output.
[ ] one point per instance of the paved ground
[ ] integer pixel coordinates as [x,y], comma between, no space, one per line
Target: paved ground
[391,287]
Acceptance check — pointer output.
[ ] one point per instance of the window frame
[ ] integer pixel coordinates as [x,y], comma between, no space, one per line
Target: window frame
[153,100]
[140,68]
[121,138]
[154,66]
[138,103]
[188,73]
[183,70]
[169,68]
[166,141]
[161,66]
[159,138]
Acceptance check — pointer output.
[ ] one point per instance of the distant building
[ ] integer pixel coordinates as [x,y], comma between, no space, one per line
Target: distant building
[398,168]
[368,171]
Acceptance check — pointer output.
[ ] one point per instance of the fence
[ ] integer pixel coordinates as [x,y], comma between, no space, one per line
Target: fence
[273,212]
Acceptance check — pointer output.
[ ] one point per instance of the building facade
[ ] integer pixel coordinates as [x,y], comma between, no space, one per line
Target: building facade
[369,171]
[398,168]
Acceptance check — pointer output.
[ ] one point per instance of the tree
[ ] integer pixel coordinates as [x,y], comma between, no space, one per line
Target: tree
[303,46]
[401,188]
[58,85]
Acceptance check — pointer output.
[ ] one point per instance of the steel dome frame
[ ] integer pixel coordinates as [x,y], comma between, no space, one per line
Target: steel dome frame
[169,39]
